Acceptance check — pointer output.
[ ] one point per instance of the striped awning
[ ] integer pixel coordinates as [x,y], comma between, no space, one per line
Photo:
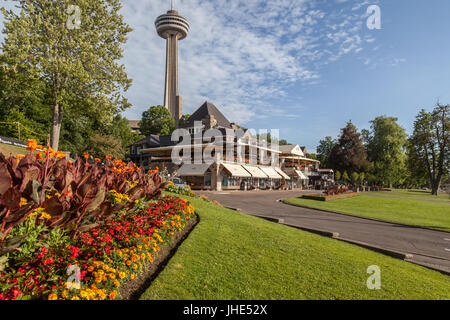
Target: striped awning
[255,172]
[193,170]
[281,172]
[236,170]
[271,173]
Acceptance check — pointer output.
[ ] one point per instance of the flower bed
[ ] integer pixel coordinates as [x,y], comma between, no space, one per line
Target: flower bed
[320,197]
[79,230]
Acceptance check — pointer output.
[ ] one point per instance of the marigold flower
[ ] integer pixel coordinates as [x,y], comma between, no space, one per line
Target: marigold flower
[53,296]
[113,294]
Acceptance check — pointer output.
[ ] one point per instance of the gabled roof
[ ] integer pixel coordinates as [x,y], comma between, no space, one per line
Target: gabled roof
[134,124]
[293,149]
[208,109]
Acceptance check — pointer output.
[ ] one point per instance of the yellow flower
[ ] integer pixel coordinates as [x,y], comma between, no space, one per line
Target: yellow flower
[121,275]
[116,283]
[75,298]
[23,202]
[53,296]
[132,276]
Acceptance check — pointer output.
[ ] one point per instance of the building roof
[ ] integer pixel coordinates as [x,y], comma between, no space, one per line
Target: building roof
[134,124]
[208,109]
[150,141]
[292,149]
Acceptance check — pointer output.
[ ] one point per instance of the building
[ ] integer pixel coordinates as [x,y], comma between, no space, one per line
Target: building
[134,125]
[297,166]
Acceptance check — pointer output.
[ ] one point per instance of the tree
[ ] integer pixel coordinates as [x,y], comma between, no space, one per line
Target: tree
[429,144]
[354,177]
[120,129]
[76,61]
[337,175]
[324,150]
[345,176]
[100,146]
[157,120]
[349,154]
[385,145]
[362,177]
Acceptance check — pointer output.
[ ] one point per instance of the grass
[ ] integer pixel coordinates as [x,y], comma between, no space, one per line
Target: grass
[432,215]
[230,255]
[7,149]
[414,194]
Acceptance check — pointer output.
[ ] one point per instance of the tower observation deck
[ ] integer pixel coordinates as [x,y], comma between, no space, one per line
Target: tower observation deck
[172,27]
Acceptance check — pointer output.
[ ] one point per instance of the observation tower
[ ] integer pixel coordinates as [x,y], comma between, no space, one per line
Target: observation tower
[172,27]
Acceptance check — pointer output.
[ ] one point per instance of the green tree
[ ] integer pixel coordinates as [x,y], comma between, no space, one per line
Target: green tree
[430,143]
[362,178]
[76,61]
[324,150]
[157,120]
[120,129]
[349,154]
[345,176]
[337,175]
[100,145]
[354,176]
[386,143]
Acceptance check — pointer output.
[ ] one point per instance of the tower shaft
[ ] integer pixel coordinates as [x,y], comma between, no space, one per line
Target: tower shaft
[172,99]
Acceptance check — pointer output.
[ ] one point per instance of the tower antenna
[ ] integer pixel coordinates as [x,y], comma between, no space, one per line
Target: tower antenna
[171,4]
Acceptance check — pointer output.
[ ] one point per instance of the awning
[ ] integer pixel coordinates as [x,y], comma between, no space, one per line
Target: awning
[255,172]
[270,172]
[236,170]
[280,172]
[301,175]
[193,170]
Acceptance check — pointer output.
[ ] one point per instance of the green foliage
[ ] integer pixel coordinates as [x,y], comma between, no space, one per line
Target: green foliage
[386,149]
[338,175]
[349,153]
[157,120]
[428,148]
[324,150]
[73,63]
[100,146]
[354,177]
[345,176]
[186,191]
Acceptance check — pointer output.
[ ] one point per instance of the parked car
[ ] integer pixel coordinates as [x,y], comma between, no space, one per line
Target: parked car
[178,182]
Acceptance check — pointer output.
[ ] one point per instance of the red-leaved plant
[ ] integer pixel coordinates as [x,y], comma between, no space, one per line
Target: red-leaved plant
[74,194]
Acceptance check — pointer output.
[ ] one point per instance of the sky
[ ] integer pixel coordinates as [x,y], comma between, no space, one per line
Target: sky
[305,67]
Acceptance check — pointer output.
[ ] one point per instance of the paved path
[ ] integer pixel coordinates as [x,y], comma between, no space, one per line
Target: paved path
[428,247]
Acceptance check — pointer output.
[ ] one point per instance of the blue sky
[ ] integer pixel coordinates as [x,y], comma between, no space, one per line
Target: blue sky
[305,67]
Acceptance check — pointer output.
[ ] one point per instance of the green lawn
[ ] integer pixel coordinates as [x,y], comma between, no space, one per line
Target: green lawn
[432,215]
[414,194]
[230,255]
[7,149]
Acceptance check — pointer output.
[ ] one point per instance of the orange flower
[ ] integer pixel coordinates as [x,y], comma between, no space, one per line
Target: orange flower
[97,160]
[39,156]
[32,144]
[85,155]
[60,155]
[70,163]
[113,294]
[20,156]
[108,157]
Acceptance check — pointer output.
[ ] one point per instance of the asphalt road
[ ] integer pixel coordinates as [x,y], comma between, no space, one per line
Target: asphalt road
[428,247]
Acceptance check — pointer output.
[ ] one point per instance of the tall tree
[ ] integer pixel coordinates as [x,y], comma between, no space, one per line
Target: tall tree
[324,151]
[430,143]
[349,154]
[75,50]
[385,145]
[157,120]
